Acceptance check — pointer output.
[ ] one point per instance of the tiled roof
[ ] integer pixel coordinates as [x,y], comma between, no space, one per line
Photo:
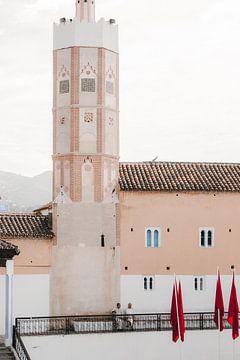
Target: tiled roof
[4,245]
[24,226]
[47,206]
[170,176]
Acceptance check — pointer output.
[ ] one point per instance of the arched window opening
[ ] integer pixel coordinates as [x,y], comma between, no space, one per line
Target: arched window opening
[196,283]
[150,283]
[209,238]
[156,238]
[149,238]
[202,238]
[145,283]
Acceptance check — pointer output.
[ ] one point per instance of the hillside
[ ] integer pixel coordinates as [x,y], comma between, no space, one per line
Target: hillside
[22,193]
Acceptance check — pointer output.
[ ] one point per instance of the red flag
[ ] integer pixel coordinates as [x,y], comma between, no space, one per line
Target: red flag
[181,312]
[233,310]
[174,315]
[219,305]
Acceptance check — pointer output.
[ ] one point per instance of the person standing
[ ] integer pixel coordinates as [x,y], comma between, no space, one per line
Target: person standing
[129,318]
[116,318]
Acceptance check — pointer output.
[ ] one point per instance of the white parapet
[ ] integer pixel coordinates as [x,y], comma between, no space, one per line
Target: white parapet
[70,33]
[198,345]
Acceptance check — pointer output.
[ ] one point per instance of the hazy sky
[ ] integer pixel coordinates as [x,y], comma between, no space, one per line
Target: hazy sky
[179,71]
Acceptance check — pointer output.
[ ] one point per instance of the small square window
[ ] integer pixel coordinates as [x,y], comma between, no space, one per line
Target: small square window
[88,85]
[64,87]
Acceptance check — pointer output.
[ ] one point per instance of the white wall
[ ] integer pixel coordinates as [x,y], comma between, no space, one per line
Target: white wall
[159,299]
[76,33]
[30,297]
[134,346]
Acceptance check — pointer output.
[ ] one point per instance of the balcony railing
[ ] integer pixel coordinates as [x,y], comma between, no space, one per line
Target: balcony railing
[89,324]
[19,346]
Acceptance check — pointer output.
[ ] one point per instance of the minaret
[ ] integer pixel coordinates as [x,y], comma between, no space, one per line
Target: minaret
[85,271]
[85,10]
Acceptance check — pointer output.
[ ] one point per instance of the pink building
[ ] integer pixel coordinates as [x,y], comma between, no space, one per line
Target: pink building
[120,230]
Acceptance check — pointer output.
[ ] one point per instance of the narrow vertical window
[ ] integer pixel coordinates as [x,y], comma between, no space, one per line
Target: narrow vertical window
[150,283]
[209,238]
[196,283]
[149,238]
[202,238]
[156,238]
[145,283]
[102,240]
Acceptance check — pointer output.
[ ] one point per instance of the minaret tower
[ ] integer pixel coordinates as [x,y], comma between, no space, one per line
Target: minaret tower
[85,271]
[85,10]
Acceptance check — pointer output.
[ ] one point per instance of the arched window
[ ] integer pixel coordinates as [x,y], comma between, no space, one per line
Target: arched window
[209,237]
[87,182]
[149,238]
[156,238]
[145,283]
[148,282]
[206,237]
[152,237]
[202,238]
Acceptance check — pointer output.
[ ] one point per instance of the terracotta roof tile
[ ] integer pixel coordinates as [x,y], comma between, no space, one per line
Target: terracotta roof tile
[24,226]
[4,245]
[170,176]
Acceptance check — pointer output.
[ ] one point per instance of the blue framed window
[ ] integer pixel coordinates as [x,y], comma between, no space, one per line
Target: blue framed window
[149,238]
[152,237]
[156,238]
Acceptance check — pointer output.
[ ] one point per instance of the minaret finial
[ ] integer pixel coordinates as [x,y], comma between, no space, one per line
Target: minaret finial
[85,10]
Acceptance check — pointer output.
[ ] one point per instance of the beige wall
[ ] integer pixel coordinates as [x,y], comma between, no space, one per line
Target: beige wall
[85,277]
[183,214]
[34,258]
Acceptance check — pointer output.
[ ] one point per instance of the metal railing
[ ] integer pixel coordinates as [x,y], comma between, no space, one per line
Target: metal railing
[19,346]
[64,325]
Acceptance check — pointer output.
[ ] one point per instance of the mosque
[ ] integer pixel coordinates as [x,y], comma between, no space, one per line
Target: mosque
[115,232]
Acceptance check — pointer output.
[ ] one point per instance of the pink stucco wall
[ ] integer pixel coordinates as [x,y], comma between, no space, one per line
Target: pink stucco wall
[179,216]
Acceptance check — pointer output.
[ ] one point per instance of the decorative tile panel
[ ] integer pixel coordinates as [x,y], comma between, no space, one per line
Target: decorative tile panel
[88,85]
[64,87]
[109,87]
[88,117]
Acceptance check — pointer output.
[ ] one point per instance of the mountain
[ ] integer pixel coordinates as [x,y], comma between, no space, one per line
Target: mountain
[22,193]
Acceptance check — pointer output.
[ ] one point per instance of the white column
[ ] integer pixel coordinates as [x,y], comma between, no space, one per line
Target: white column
[9,302]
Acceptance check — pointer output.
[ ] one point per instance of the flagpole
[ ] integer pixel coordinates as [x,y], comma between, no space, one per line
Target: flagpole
[234,340]
[233,350]
[219,344]
[180,345]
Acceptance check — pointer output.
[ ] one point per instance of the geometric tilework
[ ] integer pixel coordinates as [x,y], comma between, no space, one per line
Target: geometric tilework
[64,86]
[88,85]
